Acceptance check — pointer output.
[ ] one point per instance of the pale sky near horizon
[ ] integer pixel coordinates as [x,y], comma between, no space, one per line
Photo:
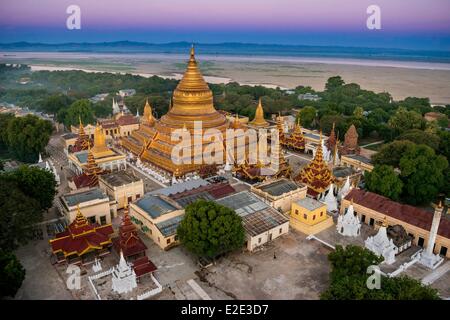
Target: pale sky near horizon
[423,24]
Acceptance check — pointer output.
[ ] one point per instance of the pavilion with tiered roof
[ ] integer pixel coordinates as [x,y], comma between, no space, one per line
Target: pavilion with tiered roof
[81,242]
[316,175]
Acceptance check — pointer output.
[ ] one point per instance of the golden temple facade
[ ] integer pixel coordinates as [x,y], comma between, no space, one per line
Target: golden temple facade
[192,102]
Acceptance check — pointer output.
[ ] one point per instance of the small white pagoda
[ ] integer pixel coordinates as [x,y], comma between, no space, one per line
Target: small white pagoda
[115,107]
[345,189]
[123,277]
[381,245]
[331,200]
[348,224]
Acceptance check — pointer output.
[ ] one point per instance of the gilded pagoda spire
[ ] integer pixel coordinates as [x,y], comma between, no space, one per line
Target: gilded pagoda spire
[80,219]
[296,140]
[148,114]
[259,120]
[81,128]
[92,168]
[331,142]
[316,175]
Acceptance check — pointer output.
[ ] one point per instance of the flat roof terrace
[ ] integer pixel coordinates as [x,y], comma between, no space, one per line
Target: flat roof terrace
[278,187]
[85,196]
[155,206]
[120,178]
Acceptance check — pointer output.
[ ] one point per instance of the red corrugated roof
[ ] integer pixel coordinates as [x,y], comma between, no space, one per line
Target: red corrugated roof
[403,212]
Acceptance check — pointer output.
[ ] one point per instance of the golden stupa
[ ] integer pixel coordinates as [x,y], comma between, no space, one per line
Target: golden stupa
[100,149]
[192,101]
[259,120]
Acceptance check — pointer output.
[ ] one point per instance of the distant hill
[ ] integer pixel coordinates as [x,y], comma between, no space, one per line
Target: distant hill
[239,49]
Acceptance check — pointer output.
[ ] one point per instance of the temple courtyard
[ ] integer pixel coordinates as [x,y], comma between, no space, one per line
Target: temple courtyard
[291,267]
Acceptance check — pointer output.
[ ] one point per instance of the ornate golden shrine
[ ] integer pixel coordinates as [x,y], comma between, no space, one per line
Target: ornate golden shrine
[192,101]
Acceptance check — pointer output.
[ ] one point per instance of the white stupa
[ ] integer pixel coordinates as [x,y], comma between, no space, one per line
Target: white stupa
[137,113]
[381,245]
[40,158]
[326,152]
[348,224]
[97,267]
[427,257]
[331,200]
[123,277]
[115,107]
[345,189]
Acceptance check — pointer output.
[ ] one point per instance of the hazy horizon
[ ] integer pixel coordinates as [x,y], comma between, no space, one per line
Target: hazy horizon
[405,24]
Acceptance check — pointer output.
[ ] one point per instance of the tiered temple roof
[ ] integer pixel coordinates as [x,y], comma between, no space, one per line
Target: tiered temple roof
[81,237]
[296,140]
[83,142]
[129,241]
[89,178]
[316,175]
[258,172]
[331,142]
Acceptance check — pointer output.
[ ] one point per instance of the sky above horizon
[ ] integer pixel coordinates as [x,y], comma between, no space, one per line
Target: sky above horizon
[415,24]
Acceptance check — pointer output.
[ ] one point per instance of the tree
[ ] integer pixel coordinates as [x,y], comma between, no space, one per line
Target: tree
[12,274]
[54,103]
[404,120]
[348,279]
[209,229]
[421,137]
[308,116]
[383,180]
[444,144]
[422,172]
[79,109]
[334,83]
[36,183]
[18,213]
[391,153]
[27,137]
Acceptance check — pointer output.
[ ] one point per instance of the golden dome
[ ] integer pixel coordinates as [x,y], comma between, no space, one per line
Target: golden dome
[192,101]
[259,120]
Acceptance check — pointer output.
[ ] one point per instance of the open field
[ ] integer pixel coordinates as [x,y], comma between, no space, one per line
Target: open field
[401,80]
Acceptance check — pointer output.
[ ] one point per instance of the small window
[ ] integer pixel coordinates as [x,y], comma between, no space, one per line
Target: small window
[281,230]
[168,241]
[259,240]
[158,240]
[176,238]
[305,216]
[138,196]
[103,220]
[321,214]
[296,211]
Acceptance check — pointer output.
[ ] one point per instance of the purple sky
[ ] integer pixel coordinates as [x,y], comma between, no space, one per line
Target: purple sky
[418,22]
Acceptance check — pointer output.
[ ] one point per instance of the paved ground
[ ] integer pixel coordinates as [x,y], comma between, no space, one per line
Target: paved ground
[300,271]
